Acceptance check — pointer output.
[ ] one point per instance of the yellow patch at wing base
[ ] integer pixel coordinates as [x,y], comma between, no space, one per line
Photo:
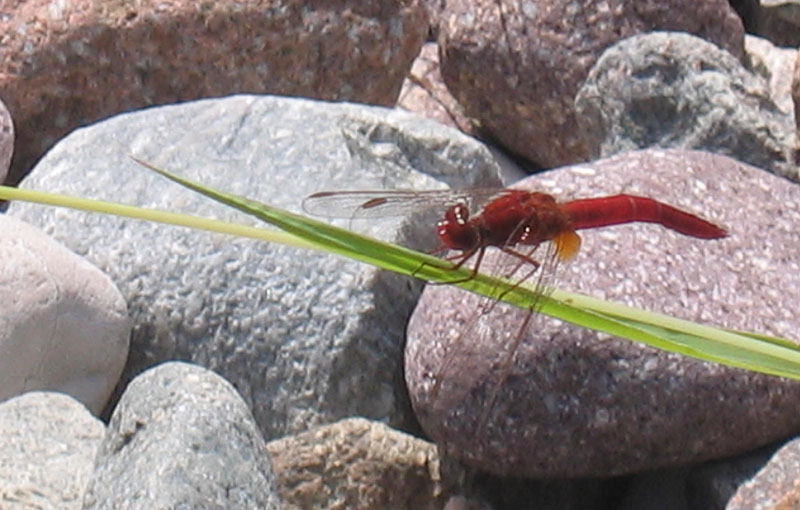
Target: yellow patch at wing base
[567,244]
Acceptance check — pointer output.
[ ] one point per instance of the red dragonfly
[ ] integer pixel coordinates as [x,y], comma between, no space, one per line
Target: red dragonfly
[513,217]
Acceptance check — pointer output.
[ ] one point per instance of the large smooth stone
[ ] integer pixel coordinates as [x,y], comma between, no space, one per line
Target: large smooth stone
[576,403]
[63,324]
[307,338]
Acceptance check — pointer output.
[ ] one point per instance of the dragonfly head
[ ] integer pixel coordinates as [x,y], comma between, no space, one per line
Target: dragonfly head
[456,231]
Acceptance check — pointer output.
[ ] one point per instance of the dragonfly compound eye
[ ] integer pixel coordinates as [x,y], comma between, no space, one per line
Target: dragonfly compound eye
[456,231]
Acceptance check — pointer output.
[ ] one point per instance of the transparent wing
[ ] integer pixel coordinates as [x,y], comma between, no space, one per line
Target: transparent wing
[532,265]
[386,203]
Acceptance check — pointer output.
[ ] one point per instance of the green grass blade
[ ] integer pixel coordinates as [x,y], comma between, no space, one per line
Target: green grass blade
[726,341]
[746,350]
[753,351]
[154,215]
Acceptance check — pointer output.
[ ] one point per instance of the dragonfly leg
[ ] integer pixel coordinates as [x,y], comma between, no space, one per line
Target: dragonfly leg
[459,260]
[425,264]
[523,259]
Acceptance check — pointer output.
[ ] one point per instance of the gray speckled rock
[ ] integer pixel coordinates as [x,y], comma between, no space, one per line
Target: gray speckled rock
[579,404]
[47,451]
[674,90]
[306,338]
[182,437]
[63,324]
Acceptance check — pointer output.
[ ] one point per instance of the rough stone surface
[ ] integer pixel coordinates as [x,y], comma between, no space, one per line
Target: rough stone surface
[516,66]
[774,486]
[674,90]
[356,464]
[63,324]
[425,93]
[67,64]
[6,140]
[47,452]
[774,65]
[306,338]
[182,437]
[577,403]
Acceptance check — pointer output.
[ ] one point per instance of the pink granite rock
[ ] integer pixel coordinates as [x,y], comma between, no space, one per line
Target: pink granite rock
[775,485]
[67,64]
[516,66]
[581,404]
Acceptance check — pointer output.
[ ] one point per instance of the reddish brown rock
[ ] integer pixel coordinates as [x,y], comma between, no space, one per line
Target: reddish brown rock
[778,21]
[425,93]
[581,404]
[516,66]
[66,64]
[356,464]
